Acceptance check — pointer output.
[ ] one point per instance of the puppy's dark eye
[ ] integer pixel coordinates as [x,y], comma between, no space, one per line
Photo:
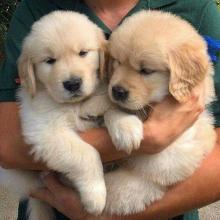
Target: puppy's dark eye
[50,60]
[83,53]
[145,71]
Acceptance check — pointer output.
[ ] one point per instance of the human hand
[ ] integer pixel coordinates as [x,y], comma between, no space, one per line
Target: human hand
[180,198]
[66,201]
[169,119]
[63,198]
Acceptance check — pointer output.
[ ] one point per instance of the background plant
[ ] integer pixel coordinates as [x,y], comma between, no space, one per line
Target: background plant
[7,8]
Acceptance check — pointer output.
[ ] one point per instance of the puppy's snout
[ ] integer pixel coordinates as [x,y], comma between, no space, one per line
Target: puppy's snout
[119,93]
[73,85]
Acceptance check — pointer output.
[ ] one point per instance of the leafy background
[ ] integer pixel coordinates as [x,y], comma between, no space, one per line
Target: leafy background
[7,8]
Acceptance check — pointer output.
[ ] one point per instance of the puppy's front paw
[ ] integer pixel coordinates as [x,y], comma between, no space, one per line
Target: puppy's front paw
[127,133]
[94,198]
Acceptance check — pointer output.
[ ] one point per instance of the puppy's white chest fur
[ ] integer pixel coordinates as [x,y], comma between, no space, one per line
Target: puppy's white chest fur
[41,110]
[57,67]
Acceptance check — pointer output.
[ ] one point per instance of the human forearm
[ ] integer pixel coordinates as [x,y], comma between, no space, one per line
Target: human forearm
[158,134]
[192,193]
[100,139]
[14,152]
[201,189]
[168,120]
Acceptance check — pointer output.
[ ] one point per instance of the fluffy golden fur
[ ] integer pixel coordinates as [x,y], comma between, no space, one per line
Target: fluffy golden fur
[154,54]
[59,68]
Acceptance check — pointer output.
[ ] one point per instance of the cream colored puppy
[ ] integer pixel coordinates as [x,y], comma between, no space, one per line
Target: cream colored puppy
[59,69]
[155,54]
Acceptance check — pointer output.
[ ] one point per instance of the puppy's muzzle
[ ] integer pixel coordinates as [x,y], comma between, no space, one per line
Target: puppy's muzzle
[73,85]
[119,93]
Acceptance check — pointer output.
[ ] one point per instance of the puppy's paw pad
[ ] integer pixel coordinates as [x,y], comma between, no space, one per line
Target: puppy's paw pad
[127,134]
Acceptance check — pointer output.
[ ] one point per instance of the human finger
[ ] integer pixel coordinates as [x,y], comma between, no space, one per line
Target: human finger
[43,194]
[51,182]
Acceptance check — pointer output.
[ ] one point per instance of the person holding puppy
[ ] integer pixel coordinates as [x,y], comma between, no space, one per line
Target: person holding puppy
[158,132]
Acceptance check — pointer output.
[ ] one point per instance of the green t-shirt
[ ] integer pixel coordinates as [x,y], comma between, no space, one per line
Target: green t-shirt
[202,14]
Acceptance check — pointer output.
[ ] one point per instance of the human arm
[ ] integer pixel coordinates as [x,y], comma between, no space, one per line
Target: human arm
[14,152]
[180,198]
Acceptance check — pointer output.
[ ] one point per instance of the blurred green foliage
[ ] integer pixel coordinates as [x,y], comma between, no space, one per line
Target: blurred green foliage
[7,8]
[218,3]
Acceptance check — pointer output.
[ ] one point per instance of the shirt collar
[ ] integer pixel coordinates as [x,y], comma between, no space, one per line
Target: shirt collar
[66,4]
[154,4]
[80,6]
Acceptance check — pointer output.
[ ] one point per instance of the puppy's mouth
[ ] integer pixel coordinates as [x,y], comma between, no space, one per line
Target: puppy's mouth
[78,97]
[75,95]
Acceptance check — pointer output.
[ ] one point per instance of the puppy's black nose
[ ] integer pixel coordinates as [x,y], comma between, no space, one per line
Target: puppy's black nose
[119,93]
[73,85]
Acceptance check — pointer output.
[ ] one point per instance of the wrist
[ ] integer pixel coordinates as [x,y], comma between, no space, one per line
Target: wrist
[154,141]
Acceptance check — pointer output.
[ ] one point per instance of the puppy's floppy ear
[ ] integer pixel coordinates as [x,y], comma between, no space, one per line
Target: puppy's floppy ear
[102,62]
[109,69]
[26,73]
[103,54]
[106,66]
[188,67]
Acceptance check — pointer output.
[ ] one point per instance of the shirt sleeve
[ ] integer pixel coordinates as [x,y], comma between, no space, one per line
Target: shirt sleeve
[210,26]
[25,15]
[19,27]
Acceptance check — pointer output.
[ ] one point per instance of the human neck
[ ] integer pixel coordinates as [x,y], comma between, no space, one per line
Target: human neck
[108,4]
[111,12]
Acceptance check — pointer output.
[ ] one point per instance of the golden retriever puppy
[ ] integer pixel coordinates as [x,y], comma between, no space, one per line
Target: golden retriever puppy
[155,54]
[59,70]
